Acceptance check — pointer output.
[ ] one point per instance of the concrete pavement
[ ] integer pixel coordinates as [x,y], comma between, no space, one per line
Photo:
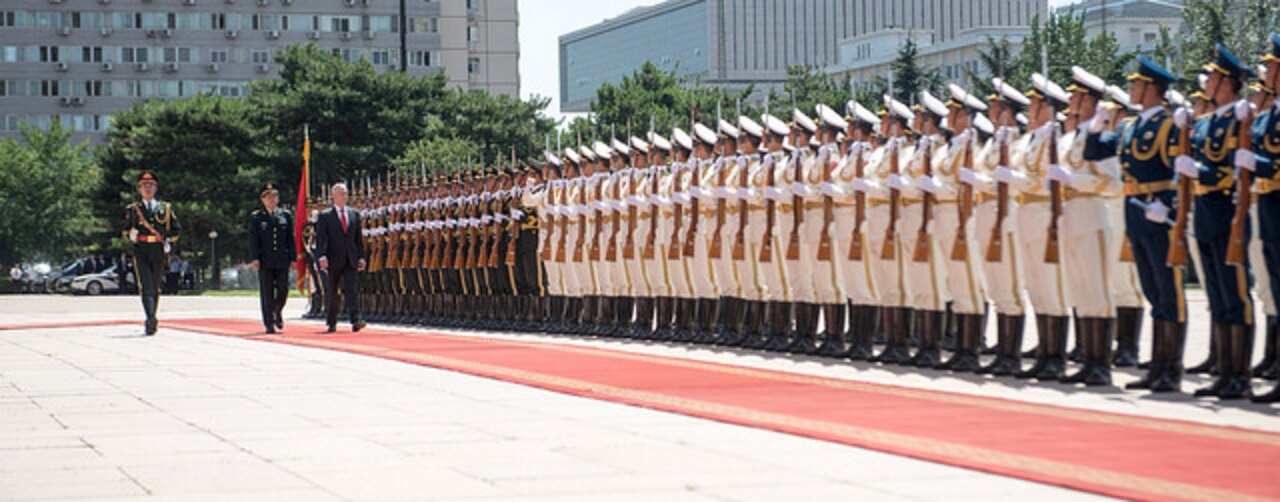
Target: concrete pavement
[102,413]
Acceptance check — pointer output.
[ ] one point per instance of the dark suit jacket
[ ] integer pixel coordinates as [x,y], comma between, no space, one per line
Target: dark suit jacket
[341,249]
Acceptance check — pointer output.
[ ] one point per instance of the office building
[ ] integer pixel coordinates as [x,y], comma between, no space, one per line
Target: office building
[80,61]
[733,43]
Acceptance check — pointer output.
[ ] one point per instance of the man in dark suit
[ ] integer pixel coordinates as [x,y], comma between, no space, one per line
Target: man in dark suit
[340,251]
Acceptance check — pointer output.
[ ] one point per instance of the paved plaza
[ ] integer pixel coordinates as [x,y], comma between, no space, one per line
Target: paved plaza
[103,413]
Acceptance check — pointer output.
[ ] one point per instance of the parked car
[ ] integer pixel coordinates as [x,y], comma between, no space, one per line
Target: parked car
[59,281]
[106,281]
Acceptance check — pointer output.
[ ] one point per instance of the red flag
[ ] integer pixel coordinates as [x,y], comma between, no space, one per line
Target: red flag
[301,217]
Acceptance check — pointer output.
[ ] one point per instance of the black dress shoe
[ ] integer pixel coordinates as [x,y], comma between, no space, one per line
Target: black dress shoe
[332,329]
[271,330]
[279,323]
[357,326]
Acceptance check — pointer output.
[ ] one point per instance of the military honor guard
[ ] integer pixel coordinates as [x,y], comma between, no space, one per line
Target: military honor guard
[271,251]
[1266,173]
[152,229]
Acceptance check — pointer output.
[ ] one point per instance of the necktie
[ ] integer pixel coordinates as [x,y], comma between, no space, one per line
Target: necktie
[343,214]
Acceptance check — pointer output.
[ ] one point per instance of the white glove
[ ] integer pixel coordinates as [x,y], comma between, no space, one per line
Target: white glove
[831,190]
[968,176]
[1005,174]
[697,192]
[768,161]
[861,185]
[963,138]
[895,181]
[923,143]
[1246,159]
[772,193]
[1244,110]
[928,184]
[618,205]
[1157,212]
[1058,173]
[1101,117]
[682,198]
[1186,166]
[750,194]
[1083,182]
[725,193]
[1182,118]
[801,190]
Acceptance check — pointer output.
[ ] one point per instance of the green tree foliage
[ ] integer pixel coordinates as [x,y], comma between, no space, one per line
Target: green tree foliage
[997,58]
[910,77]
[807,86]
[440,154]
[1205,24]
[48,184]
[359,119]
[649,94]
[203,150]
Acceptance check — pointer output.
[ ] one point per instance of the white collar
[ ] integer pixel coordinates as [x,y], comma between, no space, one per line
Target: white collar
[1224,108]
[1150,112]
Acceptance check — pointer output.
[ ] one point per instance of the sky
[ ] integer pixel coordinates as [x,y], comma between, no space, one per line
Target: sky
[543,21]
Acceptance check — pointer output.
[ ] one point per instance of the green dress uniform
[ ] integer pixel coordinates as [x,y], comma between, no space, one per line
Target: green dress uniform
[152,229]
[271,245]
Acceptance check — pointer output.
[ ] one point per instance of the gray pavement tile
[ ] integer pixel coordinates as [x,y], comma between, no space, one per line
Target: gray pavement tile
[63,484]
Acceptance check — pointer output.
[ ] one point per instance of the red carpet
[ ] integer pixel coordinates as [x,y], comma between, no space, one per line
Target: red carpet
[1111,454]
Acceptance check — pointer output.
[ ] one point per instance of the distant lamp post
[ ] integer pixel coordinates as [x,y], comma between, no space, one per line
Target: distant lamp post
[213,259]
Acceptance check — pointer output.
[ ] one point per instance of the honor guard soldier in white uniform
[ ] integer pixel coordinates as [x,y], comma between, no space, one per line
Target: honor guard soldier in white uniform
[1087,233]
[923,262]
[794,202]
[701,232]
[996,226]
[849,233]
[729,226]
[821,245]
[744,179]
[772,252]
[654,207]
[635,232]
[884,210]
[1038,220]
[676,193]
[956,235]
[624,291]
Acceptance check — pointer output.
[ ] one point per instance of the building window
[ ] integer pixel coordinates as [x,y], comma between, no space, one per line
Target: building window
[260,56]
[473,34]
[218,56]
[381,57]
[49,54]
[421,58]
[473,66]
[1148,37]
[49,88]
[218,20]
[134,55]
[91,54]
[473,4]
[340,25]
[177,54]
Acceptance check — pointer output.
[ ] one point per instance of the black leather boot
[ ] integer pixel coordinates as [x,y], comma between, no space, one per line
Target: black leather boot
[803,338]
[664,323]
[1088,351]
[1128,334]
[1008,359]
[753,314]
[1220,348]
[929,325]
[1103,332]
[862,327]
[968,344]
[950,329]
[1172,338]
[709,312]
[1269,367]
[1052,360]
[1042,334]
[730,325]
[779,326]
[897,333]
[832,334]
[1238,375]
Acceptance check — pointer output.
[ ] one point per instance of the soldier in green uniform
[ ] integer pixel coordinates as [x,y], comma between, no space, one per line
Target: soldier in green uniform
[271,252]
[152,229]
